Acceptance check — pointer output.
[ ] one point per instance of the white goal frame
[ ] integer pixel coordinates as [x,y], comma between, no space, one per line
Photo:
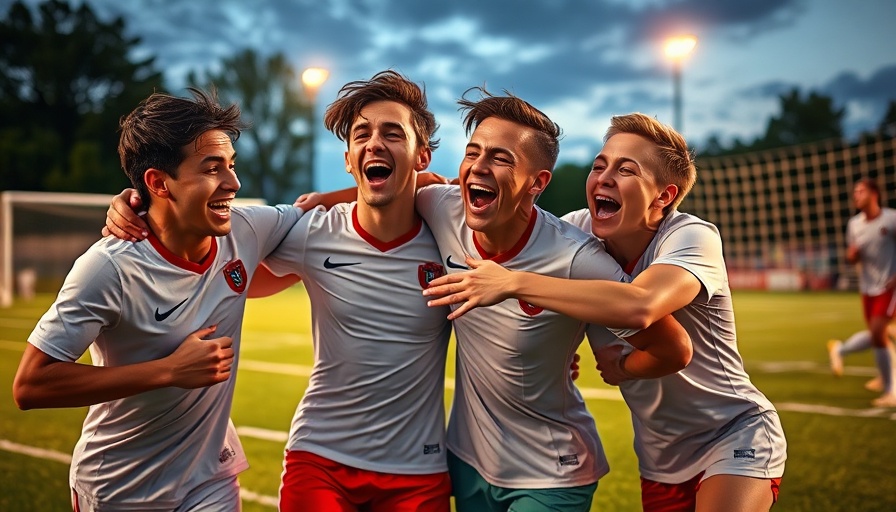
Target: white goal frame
[7,201]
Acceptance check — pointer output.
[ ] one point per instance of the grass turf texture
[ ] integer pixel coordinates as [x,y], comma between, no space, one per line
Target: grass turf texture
[835,462]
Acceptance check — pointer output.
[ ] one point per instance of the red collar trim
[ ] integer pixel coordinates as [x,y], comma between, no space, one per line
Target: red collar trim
[517,247]
[177,261]
[385,246]
[632,264]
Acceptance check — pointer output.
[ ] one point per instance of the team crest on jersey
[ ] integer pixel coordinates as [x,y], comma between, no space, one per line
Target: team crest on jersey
[884,231]
[429,271]
[530,309]
[235,275]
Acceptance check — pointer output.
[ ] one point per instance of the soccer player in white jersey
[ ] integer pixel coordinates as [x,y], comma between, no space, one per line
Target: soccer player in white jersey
[706,438]
[369,433]
[161,319]
[871,245]
[519,435]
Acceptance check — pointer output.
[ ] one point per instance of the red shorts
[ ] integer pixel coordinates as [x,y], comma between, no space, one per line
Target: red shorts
[660,497]
[879,305]
[315,484]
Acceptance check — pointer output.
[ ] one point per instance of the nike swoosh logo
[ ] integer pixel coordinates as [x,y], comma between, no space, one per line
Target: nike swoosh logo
[329,264]
[452,264]
[166,314]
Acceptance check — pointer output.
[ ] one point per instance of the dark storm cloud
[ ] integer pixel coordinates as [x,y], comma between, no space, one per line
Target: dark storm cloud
[879,86]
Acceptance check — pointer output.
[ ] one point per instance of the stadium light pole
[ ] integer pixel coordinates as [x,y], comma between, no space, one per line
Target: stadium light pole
[312,79]
[676,49]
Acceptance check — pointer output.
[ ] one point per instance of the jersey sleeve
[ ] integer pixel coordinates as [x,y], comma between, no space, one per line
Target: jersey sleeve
[89,302]
[429,201]
[579,218]
[270,224]
[696,248]
[594,262]
[289,256]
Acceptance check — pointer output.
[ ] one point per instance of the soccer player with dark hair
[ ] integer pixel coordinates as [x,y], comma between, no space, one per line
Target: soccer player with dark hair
[161,319]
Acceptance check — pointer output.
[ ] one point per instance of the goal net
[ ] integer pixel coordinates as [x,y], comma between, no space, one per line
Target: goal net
[782,213]
[43,233]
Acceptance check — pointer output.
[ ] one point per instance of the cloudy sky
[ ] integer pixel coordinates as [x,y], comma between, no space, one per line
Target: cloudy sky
[580,61]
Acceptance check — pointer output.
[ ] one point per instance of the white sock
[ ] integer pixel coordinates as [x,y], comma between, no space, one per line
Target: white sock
[858,342]
[885,366]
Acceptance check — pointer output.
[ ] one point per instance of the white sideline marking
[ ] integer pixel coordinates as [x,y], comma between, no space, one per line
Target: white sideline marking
[248,495]
[263,434]
[810,367]
[32,451]
[874,412]
[281,368]
[64,458]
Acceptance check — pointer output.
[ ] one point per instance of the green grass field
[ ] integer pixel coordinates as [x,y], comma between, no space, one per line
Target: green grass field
[841,453]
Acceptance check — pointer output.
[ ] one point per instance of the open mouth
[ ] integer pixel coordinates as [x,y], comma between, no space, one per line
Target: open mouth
[481,196]
[220,207]
[377,173]
[605,207]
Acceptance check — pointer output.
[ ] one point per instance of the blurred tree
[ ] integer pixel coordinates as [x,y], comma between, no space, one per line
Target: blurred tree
[566,191]
[888,123]
[803,120]
[275,152]
[66,78]
[800,121]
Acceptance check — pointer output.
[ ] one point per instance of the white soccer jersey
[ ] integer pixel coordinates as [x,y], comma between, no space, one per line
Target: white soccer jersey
[876,240]
[517,417]
[139,302]
[680,419]
[375,399]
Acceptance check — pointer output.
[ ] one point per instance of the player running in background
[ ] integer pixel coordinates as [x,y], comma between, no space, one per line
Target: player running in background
[162,321]
[705,437]
[871,239]
[369,433]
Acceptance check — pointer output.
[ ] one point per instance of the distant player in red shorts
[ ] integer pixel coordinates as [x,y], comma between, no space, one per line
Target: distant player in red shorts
[871,239]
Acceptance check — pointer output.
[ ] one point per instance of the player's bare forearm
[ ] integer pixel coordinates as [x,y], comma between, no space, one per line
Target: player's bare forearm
[853,255]
[44,382]
[264,283]
[425,178]
[331,199]
[656,292]
[661,349]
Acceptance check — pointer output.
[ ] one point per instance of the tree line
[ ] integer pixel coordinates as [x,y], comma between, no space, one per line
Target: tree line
[66,78]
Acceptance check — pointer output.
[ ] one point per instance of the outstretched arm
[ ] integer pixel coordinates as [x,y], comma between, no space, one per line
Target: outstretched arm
[654,293]
[43,381]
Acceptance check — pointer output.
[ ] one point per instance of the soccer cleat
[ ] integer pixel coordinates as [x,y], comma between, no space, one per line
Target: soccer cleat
[875,385]
[885,400]
[835,357]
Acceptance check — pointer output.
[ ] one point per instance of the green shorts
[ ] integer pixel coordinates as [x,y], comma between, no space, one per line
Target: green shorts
[473,494]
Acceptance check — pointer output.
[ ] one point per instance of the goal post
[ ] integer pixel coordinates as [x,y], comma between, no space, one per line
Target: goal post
[43,233]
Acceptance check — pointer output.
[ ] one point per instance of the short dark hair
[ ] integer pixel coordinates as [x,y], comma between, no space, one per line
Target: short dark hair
[386,85]
[154,134]
[512,108]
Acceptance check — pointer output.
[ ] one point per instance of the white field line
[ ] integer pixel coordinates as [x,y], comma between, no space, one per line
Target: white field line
[32,451]
[64,458]
[588,393]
